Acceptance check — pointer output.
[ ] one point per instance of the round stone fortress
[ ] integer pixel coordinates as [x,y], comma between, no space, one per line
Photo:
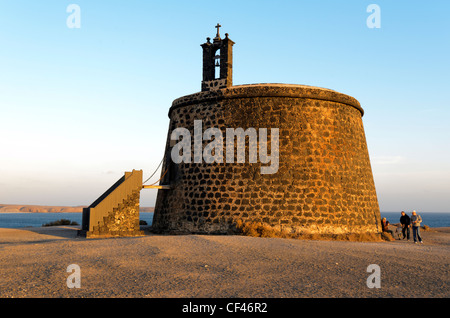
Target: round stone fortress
[320,182]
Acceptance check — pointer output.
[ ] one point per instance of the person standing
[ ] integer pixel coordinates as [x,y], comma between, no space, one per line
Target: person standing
[405,221]
[416,219]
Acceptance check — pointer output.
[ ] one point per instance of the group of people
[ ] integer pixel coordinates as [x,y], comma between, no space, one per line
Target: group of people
[406,222]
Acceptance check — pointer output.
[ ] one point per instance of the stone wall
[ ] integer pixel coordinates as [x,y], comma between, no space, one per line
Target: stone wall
[121,221]
[324,182]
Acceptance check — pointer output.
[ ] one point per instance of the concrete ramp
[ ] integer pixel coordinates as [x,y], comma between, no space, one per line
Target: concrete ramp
[115,212]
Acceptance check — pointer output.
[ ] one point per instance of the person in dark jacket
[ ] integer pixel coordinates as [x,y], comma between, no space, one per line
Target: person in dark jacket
[405,221]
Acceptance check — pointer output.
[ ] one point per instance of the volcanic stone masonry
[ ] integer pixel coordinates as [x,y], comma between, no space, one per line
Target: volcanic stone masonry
[324,182]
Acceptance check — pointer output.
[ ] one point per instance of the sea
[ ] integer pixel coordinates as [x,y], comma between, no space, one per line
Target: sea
[432,219]
[19,220]
[26,219]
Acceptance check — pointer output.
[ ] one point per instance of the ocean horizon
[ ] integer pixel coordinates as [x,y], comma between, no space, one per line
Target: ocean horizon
[37,219]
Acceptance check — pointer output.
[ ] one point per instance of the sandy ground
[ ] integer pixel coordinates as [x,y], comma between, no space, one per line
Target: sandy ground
[33,263]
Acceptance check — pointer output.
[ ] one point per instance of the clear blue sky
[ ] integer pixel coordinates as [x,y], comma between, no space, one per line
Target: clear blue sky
[81,106]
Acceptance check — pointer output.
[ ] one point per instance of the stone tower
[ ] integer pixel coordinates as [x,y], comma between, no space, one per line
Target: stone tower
[323,180]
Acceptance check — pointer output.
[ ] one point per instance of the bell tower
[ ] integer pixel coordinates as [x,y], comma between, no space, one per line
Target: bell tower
[217,62]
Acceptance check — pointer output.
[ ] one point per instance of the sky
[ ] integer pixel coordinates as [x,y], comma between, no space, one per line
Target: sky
[81,105]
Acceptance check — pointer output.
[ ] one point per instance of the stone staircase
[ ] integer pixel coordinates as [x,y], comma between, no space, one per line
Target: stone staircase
[115,212]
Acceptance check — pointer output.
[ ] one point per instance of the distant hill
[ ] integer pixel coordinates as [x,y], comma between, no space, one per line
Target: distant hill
[46,209]
[146,209]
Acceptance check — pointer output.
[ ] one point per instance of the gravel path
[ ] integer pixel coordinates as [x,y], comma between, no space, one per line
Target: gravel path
[33,263]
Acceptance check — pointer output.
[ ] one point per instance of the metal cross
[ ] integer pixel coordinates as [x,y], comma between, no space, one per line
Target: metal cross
[217,27]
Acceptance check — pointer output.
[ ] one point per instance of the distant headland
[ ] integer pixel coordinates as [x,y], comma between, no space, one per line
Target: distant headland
[11,208]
